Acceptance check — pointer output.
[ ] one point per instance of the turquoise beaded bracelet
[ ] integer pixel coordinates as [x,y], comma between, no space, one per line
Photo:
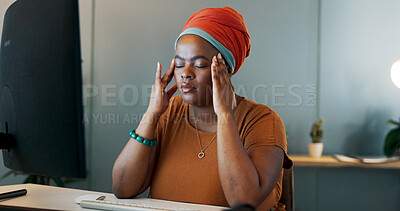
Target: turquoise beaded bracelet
[142,140]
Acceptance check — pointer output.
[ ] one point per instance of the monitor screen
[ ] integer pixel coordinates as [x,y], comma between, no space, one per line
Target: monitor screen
[41,89]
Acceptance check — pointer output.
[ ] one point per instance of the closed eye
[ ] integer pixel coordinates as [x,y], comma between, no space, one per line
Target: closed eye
[201,66]
[179,64]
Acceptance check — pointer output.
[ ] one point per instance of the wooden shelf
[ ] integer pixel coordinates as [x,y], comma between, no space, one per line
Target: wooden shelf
[329,161]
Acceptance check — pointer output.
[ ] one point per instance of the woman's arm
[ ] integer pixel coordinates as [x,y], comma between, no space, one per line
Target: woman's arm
[246,177]
[134,166]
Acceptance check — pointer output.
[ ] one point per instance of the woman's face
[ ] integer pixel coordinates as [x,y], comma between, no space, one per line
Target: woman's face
[193,58]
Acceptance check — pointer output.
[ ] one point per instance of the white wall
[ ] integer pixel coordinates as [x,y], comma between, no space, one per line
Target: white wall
[360,40]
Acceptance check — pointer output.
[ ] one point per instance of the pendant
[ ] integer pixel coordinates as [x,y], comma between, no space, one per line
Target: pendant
[201,155]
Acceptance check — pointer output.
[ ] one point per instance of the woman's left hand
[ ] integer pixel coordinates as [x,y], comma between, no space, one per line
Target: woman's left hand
[224,100]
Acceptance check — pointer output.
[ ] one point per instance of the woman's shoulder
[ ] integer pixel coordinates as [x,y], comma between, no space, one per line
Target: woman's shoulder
[249,107]
[176,109]
[176,106]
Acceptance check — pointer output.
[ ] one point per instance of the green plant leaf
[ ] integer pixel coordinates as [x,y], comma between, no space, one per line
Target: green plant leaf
[392,142]
[394,122]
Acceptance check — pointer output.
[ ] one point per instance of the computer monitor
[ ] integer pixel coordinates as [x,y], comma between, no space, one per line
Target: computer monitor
[41,109]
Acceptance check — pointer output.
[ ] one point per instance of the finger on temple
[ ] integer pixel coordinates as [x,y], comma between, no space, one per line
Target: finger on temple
[212,70]
[213,67]
[158,73]
[218,67]
[221,63]
[172,90]
[215,75]
[167,77]
[157,83]
[220,59]
[215,60]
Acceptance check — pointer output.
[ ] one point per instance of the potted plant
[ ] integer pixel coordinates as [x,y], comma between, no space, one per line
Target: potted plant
[315,148]
[392,140]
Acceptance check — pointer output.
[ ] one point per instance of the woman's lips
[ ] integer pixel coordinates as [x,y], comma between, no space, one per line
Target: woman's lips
[187,88]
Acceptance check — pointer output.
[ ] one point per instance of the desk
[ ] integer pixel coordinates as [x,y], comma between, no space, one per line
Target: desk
[42,197]
[329,161]
[328,184]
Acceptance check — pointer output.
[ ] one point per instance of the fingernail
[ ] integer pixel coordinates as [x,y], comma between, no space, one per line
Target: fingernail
[219,56]
[172,61]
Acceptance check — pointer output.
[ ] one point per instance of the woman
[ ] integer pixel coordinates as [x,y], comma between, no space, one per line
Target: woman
[206,145]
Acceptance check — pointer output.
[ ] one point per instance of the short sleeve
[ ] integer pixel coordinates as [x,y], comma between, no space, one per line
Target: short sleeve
[167,118]
[266,128]
[160,128]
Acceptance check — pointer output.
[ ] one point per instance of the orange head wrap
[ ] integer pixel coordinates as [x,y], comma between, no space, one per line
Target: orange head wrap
[225,29]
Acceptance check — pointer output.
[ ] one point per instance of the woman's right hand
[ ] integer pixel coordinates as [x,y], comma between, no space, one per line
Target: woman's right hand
[132,174]
[159,99]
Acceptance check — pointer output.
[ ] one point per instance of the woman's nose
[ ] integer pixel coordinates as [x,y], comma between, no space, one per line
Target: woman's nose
[187,73]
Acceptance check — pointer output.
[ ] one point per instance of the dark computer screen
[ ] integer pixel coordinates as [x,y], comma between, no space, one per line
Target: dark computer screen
[41,88]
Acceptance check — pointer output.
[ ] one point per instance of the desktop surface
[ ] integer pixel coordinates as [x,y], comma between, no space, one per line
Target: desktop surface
[329,161]
[42,197]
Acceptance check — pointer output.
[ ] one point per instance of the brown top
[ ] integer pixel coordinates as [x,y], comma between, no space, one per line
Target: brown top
[180,175]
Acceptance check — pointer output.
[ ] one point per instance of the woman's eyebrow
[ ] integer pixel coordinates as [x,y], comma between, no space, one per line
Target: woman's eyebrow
[178,57]
[193,58]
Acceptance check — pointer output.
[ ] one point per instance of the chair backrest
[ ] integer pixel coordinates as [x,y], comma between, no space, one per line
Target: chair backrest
[287,197]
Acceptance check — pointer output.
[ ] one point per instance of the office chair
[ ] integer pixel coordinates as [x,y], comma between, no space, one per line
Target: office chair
[287,197]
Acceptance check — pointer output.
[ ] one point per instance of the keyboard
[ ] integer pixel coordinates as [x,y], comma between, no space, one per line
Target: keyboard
[114,205]
[151,206]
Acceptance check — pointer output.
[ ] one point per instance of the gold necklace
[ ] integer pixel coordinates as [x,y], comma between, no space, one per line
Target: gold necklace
[201,154]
